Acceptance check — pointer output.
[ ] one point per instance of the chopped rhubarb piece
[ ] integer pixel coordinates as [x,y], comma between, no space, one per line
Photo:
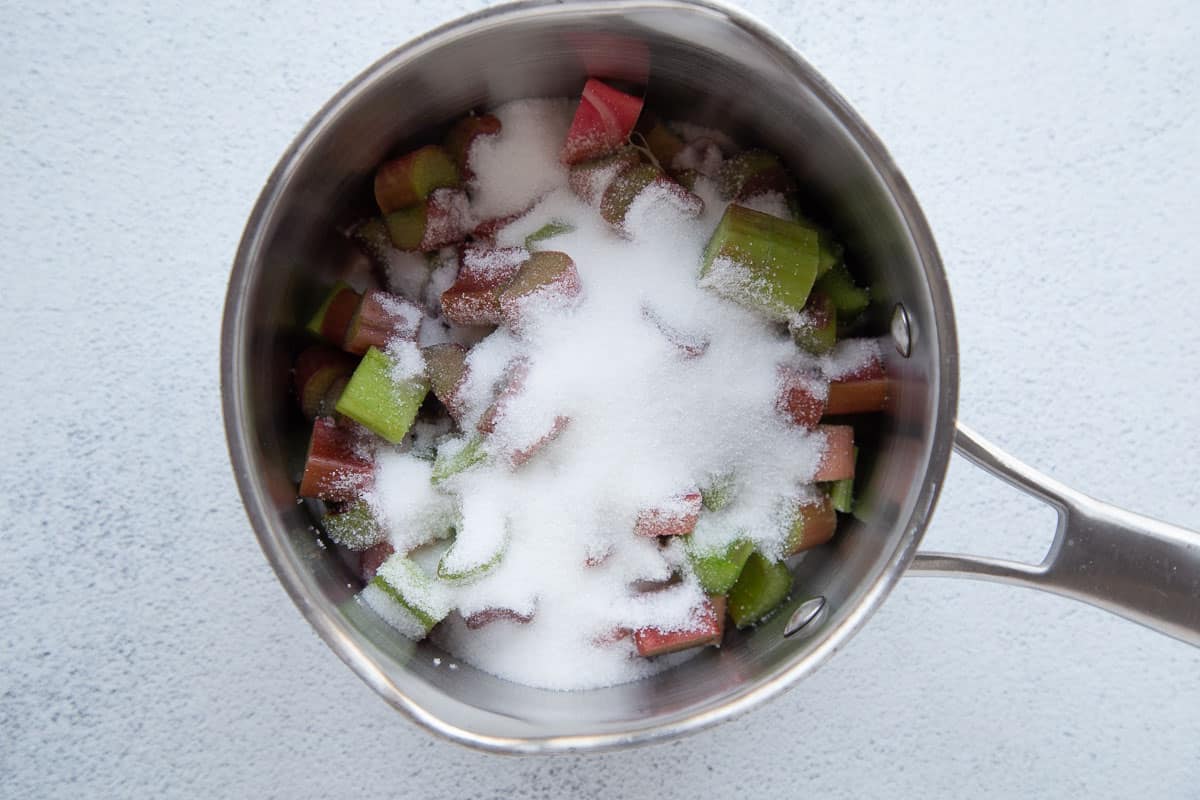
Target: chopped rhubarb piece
[761,262]
[510,386]
[410,179]
[548,277]
[380,400]
[334,470]
[664,144]
[590,179]
[814,522]
[603,121]
[629,185]
[762,586]
[841,493]
[463,135]
[754,172]
[489,615]
[719,491]
[483,273]
[382,317]
[457,454]
[690,345]
[547,231]
[837,460]
[718,570]
[466,574]
[801,397]
[597,554]
[318,370]
[612,636]
[707,630]
[814,329]
[849,298]
[406,598]
[521,454]
[446,365]
[675,518]
[355,528]
[333,316]
[440,220]
[372,557]
[485,231]
[862,391]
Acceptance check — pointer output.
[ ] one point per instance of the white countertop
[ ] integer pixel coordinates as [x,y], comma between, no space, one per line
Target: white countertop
[146,649]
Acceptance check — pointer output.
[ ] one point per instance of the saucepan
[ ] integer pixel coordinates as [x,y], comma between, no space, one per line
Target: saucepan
[711,64]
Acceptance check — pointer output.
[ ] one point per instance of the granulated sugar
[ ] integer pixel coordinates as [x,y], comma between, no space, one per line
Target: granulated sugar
[654,386]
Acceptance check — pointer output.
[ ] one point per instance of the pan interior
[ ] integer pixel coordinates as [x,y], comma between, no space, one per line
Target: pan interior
[700,64]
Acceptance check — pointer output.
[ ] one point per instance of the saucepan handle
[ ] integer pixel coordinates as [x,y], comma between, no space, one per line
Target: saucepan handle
[1134,566]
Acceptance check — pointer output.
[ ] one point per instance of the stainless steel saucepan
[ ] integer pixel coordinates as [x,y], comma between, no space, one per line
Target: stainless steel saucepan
[711,64]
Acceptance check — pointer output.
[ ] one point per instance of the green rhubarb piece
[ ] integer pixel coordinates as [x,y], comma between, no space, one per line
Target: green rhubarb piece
[316,323]
[455,455]
[547,231]
[762,586]
[849,298]
[718,571]
[376,399]
[407,584]
[754,172]
[717,494]
[471,573]
[761,262]
[830,251]
[624,189]
[406,227]
[663,144]
[355,528]
[841,493]
[406,181]
[815,329]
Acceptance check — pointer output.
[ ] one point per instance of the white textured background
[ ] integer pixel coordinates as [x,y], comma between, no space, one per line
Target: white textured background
[145,647]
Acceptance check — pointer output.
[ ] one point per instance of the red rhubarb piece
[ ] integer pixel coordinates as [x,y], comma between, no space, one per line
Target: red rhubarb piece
[318,370]
[612,636]
[547,278]
[334,315]
[860,391]
[511,385]
[463,135]
[490,615]
[333,469]
[675,518]
[690,345]
[814,524]
[707,630]
[483,273]
[382,317]
[520,455]
[406,181]
[837,460]
[446,365]
[372,557]
[603,121]
[801,397]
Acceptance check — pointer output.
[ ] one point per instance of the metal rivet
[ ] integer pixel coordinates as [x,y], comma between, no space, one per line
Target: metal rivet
[902,330]
[808,615]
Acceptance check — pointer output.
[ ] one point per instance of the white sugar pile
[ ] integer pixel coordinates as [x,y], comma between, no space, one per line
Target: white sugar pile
[649,419]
